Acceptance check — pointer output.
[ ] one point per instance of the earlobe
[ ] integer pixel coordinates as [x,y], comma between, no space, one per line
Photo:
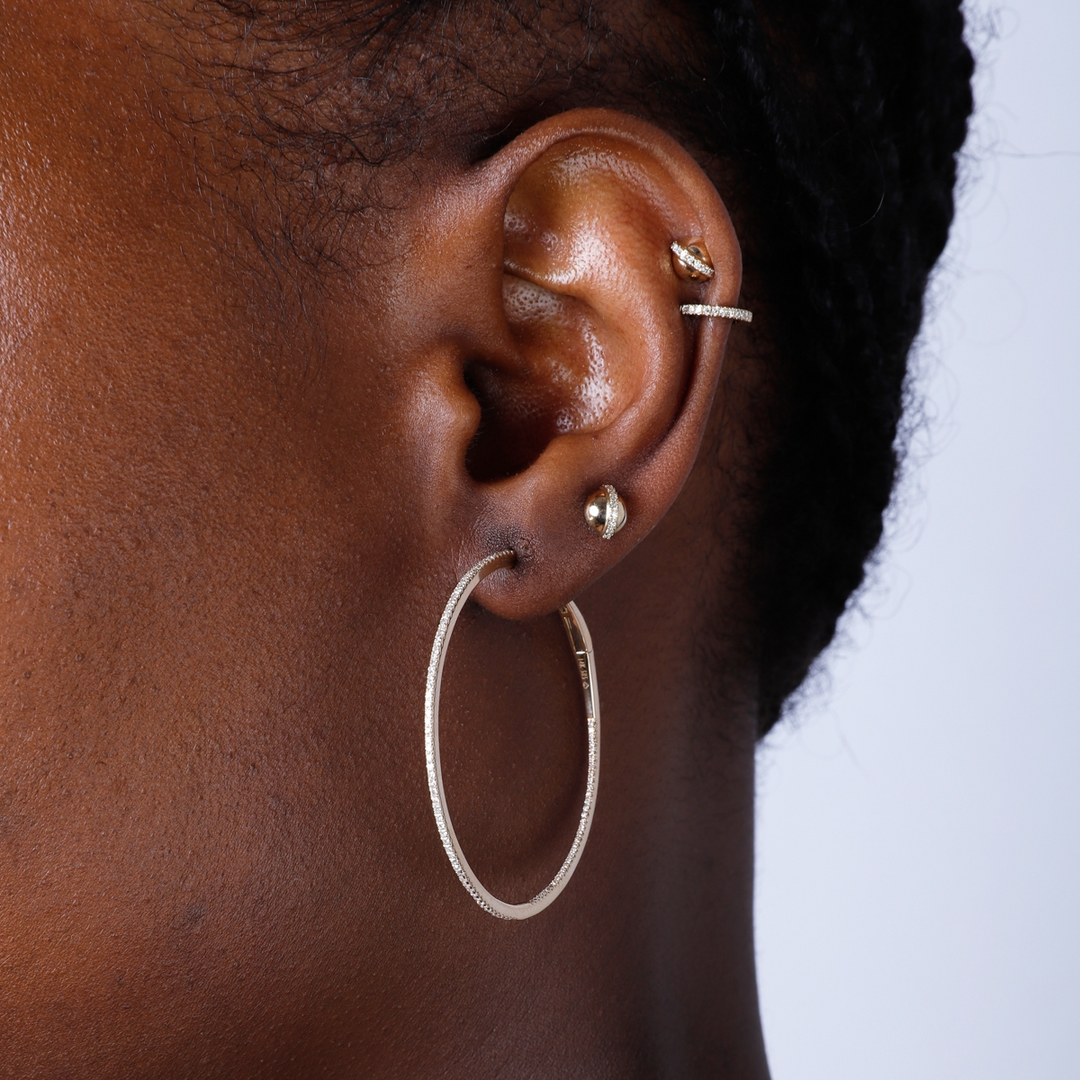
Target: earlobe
[600,378]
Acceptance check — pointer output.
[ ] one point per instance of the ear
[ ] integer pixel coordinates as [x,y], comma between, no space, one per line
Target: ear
[554,340]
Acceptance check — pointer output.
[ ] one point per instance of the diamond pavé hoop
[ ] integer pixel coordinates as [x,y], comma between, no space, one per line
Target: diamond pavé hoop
[581,644]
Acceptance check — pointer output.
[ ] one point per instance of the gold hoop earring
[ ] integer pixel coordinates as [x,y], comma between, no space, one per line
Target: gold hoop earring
[581,643]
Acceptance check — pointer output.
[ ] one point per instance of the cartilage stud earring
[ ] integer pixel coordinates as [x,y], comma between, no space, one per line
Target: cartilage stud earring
[605,511]
[691,261]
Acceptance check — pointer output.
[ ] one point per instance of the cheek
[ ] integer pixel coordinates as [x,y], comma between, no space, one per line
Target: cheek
[201,629]
[194,566]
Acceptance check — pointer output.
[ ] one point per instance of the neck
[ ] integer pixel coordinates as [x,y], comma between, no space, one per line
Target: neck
[681,825]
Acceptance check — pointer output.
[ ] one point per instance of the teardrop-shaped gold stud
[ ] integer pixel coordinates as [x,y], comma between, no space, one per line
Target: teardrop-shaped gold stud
[691,261]
[605,511]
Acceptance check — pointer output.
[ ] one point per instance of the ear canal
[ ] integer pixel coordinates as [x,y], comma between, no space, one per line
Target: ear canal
[560,382]
[507,440]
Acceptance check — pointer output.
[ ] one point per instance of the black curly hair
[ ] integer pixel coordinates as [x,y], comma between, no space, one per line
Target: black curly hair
[838,122]
[845,118]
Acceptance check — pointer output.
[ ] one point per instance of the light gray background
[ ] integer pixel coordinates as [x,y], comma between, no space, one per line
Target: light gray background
[918,904]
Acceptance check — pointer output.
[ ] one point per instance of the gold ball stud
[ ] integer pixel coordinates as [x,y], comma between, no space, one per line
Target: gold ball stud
[605,511]
[691,261]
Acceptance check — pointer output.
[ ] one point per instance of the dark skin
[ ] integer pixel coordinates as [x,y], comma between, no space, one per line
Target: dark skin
[233,506]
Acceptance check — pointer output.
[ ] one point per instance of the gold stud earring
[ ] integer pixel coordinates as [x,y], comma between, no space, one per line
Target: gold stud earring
[605,511]
[691,261]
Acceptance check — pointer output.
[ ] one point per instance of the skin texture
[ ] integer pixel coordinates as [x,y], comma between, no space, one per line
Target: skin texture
[235,493]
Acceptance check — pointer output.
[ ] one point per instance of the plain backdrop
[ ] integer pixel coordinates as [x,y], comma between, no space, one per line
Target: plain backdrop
[918,892]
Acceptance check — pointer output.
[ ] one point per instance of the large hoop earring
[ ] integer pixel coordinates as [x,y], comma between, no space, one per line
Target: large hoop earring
[581,643]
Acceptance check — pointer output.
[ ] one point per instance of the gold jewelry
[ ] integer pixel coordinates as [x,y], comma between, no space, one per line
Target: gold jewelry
[581,643]
[605,511]
[716,312]
[691,261]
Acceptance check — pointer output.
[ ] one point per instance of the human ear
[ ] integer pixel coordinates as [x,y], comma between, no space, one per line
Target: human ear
[563,356]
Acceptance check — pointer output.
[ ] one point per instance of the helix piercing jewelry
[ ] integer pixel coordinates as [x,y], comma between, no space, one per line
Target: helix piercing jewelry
[691,261]
[605,511]
[715,311]
[581,644]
